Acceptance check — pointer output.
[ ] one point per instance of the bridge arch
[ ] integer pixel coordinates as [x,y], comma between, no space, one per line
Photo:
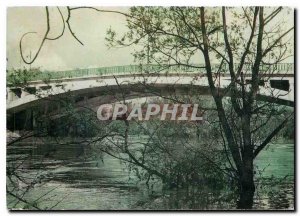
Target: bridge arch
[110,85]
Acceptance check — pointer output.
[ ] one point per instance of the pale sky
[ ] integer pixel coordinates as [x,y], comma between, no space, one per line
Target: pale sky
[65,53]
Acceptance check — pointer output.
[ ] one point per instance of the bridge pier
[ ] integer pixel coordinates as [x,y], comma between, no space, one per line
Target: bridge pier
[24,120]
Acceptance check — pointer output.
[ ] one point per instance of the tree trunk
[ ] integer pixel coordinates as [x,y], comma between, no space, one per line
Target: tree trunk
[247,188]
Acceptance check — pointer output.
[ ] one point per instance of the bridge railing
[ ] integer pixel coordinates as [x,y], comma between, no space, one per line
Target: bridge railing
[138,69]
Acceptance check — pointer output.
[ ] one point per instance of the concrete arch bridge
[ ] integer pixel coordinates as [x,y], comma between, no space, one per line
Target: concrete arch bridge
[96,86]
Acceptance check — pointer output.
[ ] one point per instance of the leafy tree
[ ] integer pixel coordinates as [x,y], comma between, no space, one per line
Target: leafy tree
[246,42]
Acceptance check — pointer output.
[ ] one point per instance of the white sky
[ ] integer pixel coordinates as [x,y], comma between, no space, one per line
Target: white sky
[65,53]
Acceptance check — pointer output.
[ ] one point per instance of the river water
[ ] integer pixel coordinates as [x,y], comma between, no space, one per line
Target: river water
[105,183]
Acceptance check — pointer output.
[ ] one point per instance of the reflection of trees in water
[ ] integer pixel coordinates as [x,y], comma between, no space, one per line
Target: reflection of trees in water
[274,193]
[193,198]
[280,197]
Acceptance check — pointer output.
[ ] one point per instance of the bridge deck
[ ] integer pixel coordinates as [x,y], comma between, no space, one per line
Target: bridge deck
[282,68]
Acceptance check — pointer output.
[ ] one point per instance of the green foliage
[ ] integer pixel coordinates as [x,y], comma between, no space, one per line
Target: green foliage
[21,77]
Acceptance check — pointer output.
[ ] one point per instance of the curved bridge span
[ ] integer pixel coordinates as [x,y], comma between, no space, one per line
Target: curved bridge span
[277,86]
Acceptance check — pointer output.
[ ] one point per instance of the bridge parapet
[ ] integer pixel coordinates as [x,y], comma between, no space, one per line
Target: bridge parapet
[286,68]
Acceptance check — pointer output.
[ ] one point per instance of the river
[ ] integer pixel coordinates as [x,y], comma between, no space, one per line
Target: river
[105,183]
